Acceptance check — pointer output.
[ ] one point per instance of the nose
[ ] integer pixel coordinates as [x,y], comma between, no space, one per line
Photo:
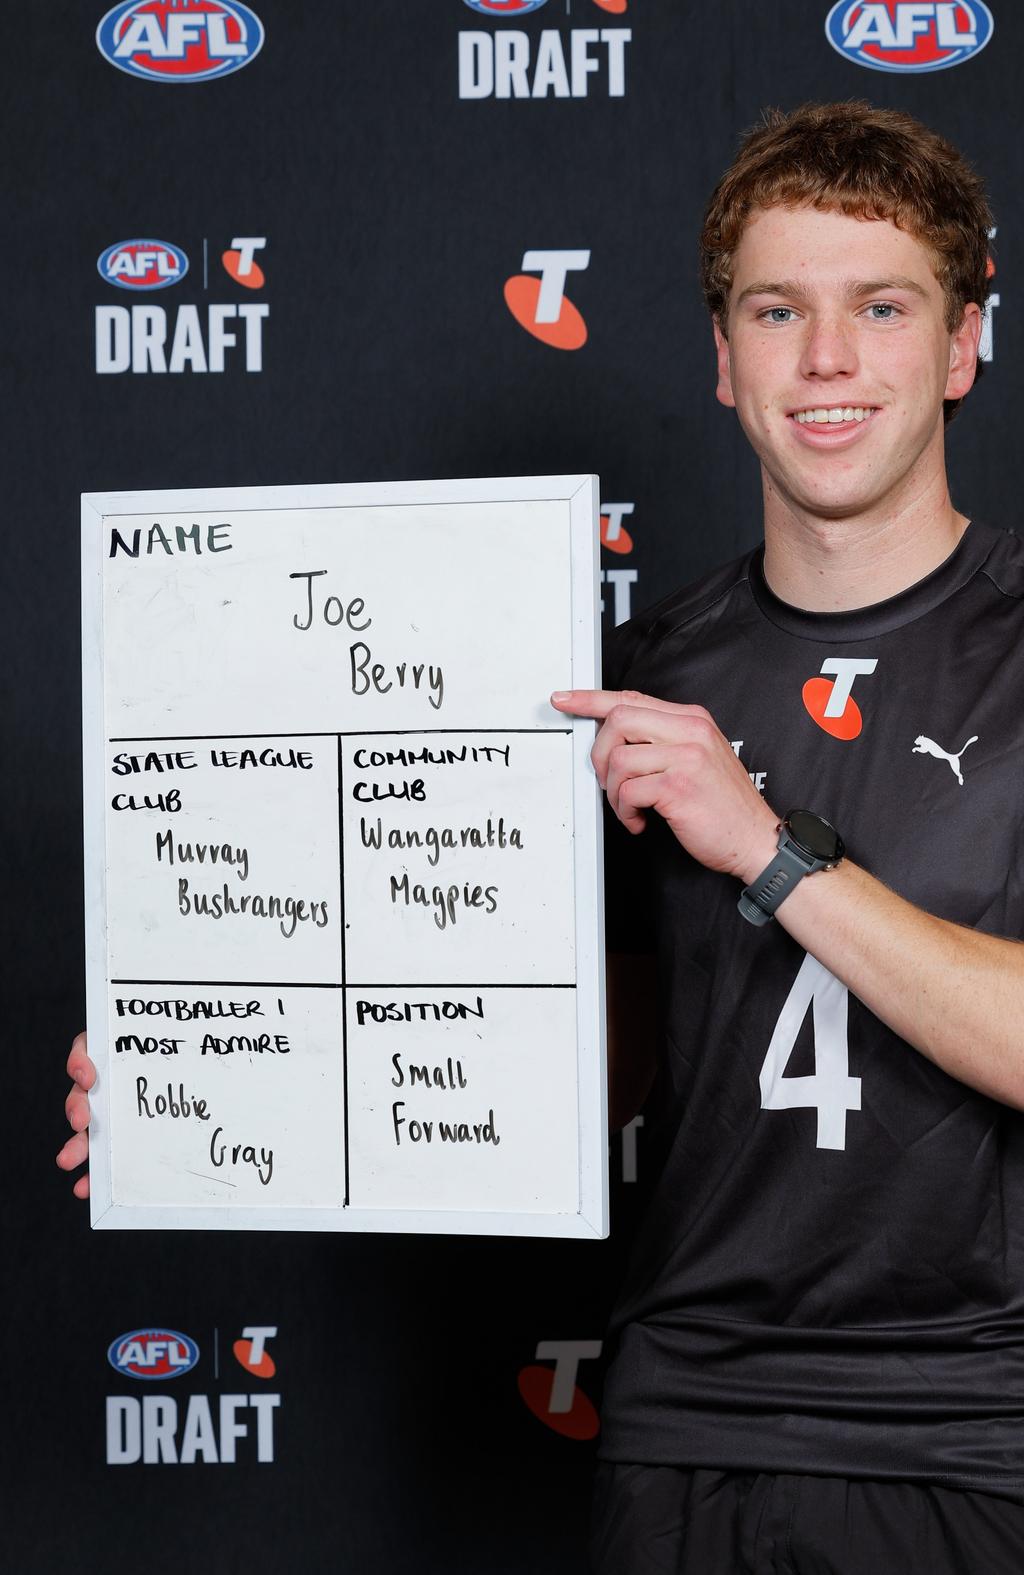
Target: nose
[829,348]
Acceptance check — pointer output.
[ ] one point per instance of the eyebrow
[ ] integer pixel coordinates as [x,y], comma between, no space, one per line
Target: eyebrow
[853,289]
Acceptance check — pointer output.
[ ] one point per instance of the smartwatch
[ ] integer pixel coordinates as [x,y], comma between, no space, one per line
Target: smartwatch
[806,843]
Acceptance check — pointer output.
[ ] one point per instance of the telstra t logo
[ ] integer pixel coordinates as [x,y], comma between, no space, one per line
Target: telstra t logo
[986,346]
[251,1351]
[552,1394]
[541,306]
[239,261]
[614,534]
[829,700]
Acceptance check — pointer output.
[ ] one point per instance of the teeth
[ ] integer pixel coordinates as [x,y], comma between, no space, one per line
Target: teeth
[833,415]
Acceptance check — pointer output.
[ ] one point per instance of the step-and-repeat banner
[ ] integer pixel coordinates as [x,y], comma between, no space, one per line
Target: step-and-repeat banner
[339,241]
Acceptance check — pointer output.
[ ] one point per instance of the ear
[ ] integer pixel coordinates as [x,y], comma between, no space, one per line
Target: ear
[963,353]
[723,393]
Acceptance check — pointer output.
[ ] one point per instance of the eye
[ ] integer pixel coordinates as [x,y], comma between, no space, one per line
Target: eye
[777,314]
[883,311]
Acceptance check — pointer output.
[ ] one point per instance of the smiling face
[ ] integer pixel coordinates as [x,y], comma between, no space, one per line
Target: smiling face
[838,359]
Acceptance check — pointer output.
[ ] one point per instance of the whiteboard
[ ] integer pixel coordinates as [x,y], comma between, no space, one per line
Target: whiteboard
[343,877]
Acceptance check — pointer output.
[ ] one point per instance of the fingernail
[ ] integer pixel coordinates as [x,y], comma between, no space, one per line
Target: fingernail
[561,694]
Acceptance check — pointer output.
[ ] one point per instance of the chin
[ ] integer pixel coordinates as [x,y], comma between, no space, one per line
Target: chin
[827,502]
[834,506]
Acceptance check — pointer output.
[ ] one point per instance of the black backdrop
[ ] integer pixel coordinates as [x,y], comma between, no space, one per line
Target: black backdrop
[413,1431]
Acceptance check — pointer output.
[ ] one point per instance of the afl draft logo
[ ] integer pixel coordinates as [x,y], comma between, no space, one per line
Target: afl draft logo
[829,701]
[183,336]
[167,41]
[909,35]
[142,265]
[153,1353]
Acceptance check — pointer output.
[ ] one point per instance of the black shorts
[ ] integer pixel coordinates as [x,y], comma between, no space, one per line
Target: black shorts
[670,1520]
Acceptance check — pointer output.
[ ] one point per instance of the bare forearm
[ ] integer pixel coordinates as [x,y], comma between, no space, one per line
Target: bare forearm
[954,994]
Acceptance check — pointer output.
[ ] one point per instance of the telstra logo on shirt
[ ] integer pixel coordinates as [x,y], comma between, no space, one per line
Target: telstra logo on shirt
[829,701]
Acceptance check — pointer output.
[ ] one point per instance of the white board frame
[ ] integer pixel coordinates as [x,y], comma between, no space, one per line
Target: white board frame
[581,492]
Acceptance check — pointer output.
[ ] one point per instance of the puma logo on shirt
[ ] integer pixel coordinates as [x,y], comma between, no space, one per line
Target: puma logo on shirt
[928,746]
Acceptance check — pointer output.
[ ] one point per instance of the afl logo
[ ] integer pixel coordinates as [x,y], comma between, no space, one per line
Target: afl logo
[142,265]
[165,41]
[909,35]
[505,7]
[153,1353]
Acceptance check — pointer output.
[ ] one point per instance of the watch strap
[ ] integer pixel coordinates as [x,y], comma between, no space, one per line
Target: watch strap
[759,900]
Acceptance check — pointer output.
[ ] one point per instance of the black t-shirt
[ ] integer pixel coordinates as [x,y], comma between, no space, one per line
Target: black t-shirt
[830,1273]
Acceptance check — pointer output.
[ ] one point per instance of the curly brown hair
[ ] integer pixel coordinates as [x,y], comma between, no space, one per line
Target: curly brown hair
[868,163]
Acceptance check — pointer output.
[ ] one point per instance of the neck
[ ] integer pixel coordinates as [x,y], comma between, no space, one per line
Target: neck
[826,564]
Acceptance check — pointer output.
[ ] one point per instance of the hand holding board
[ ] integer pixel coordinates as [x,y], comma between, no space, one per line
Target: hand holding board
[342,858]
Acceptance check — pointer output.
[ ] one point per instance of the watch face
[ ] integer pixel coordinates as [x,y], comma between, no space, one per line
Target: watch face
[815,835]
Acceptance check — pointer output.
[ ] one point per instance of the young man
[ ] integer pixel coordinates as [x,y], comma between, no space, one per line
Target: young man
[819,1352]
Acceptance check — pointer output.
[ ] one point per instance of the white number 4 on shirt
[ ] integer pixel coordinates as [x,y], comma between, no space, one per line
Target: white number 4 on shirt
[831,1091]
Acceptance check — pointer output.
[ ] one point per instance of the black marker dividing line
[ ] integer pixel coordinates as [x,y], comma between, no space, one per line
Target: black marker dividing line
[434,984]
[351,984]
[239,984]
[341,906]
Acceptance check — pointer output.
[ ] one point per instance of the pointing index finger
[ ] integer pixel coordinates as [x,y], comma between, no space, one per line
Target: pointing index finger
[597,703]
[594,703]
